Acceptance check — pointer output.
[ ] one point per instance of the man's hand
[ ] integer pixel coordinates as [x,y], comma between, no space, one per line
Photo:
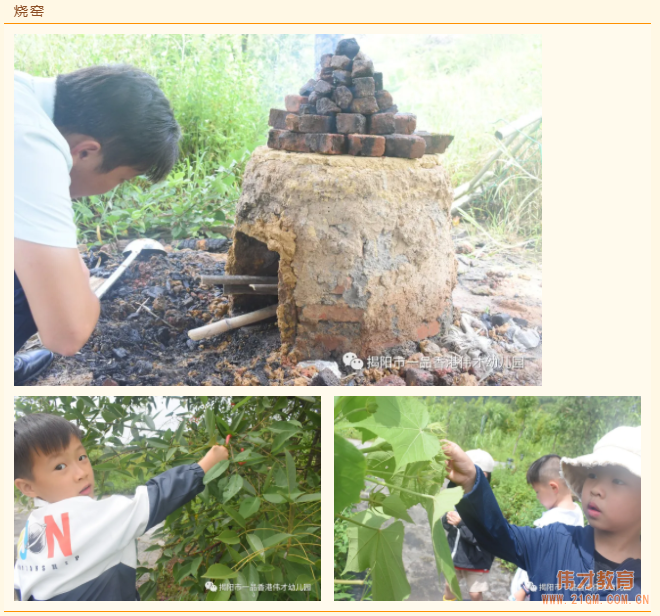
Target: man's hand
[56,284]
[460,469]
[453,518]
[216,454]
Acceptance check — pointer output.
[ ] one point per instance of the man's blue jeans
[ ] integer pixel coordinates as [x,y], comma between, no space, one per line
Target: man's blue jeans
[24,325]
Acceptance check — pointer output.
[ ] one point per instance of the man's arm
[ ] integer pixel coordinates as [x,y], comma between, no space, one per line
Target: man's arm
[56,284]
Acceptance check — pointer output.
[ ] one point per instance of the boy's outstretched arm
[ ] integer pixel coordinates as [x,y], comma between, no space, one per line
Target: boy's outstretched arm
[179,485]
[481,513]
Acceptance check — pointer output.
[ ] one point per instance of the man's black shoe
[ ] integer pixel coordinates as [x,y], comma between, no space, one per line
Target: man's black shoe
[31,364]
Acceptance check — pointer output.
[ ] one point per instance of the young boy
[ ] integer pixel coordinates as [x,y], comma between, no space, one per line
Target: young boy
[75,135]
[471,561]
[569,563]
[544,475]
[76,548]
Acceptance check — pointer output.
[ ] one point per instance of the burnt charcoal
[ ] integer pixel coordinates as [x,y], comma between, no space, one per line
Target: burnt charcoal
[341,63]
[323,88]
[364,86]
[343,97]
[362,66]
[342,78]
[325,378]
[351,123]
[325,107]
[308,88]
[365,106]
[384,99]
[347,47]
[378,78]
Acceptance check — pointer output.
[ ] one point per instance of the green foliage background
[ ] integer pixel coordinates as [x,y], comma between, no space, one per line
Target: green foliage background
[258,519]
[222,85]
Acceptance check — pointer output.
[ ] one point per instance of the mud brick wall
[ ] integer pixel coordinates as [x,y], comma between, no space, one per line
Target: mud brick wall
[362,248]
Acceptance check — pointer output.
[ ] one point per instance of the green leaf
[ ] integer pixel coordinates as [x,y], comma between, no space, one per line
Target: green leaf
[269,542]
[189,568]
[233,488]
[220,572]
[150,422]
[381,550]
[247,577]
[106,466]
[308,498]
[435,509]
[276,499]
[402,422]
[229,537]
[394,506]
[216,471]
[249,506]
[350,467]
[256,545]
[237,517]
[218,595]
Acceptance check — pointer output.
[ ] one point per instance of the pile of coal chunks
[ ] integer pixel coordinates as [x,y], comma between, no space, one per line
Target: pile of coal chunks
[347,111]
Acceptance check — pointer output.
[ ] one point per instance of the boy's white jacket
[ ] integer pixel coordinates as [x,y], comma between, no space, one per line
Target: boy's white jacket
[81,549]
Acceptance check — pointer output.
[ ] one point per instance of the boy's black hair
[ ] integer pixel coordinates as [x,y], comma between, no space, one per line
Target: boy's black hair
[123,109]
[545,469]
[40,433]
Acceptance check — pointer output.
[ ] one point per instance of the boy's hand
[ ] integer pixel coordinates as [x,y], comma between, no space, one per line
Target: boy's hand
[216,454]
[460,469]
[453,518]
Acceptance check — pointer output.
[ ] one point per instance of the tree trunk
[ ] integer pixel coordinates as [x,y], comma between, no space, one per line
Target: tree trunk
[324,43]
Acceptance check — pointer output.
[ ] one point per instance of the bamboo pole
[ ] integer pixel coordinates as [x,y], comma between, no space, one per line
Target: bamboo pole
[220,327]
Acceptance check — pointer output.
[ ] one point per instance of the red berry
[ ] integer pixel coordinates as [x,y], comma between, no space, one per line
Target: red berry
[228,439]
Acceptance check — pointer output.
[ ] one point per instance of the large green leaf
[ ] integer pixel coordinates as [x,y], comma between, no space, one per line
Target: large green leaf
[233,487]
[350,467]
[256,545]
[369,546]
[220,572]
[394,506]
[249,506]
[403,422]
[216,471]
[435,509]
[247,579]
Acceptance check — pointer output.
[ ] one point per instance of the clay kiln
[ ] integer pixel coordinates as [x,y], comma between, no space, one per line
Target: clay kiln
[361,248]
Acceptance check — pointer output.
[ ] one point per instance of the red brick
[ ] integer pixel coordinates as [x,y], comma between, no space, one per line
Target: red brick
[384,99]
[326,143]
[293,101]
[406,123]
[336,312]
[365,106]
[366,145]
[292,142]
[277,118]
[312,124]
[274,138]
[405,146]
[435,142]
[293,122]
[351,123]
[382,124]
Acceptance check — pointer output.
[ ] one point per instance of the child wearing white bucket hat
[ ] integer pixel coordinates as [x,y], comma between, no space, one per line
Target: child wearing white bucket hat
[565,562]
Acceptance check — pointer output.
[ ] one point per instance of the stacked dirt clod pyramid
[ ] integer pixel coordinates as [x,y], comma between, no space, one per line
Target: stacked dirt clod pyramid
[345,110]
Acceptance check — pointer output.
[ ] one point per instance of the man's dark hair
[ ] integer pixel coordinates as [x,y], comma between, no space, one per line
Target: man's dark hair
[123,109]
[40,433]
[544,469]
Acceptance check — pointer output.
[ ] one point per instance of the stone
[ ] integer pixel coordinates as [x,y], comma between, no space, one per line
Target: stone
[341,63]
[342,78]
[313,98]
[120,353]
[435,142]
[378,78]
[404,146]
[351,123]
[366,145]
[466,248]
[362,66]
[406,123]
[430,348]
[364,106]
[308,88]
[307,110]
[482,291]
[277,118]
[109,383]
[293,101]
[384,99]
[363,87]
[347,47]
[343,97]
[419,378]
[321,365]
[391,381]
[314,124]
[325,378]
[326,75]
[325,107]
[323,88]
[326,60]
[467,380]
[443,377]
[382,124]
[329,216]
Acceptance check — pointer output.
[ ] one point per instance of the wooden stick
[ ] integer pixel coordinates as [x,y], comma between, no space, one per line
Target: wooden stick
[238,280]
[517,125]
[220,327]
